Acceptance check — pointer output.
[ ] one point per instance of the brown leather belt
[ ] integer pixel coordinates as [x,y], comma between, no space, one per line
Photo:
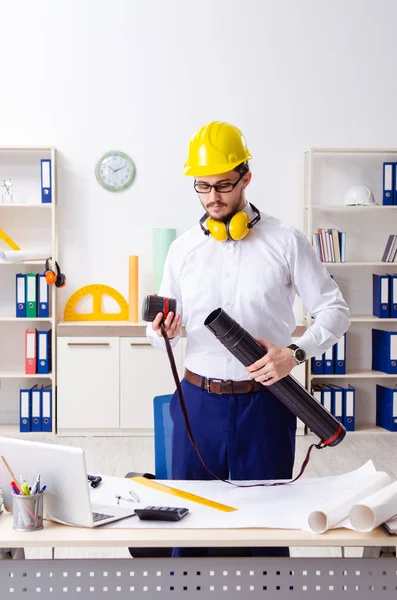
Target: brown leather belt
[219,386]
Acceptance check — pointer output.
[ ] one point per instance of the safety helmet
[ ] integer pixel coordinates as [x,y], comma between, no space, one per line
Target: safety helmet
[216,148]
[359,194]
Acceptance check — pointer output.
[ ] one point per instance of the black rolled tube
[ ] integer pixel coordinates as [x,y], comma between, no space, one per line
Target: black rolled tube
[152,305]
[288,390]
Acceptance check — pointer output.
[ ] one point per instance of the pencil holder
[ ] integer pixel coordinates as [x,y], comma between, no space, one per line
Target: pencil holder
[28,512]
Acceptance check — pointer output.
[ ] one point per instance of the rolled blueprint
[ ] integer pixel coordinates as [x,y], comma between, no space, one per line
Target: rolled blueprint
[336,510]
[162,240]
[375,509]
[133,265]
[18,255]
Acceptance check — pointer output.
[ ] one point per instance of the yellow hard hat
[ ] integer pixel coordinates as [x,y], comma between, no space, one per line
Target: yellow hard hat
[216,148]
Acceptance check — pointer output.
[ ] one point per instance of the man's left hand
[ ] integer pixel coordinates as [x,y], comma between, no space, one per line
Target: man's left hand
[276,364]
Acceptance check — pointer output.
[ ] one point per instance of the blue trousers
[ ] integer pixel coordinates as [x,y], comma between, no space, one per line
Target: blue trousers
[247,436]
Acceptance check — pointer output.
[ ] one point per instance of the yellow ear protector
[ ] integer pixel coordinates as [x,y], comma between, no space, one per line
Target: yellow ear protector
[52,277]
[234,228]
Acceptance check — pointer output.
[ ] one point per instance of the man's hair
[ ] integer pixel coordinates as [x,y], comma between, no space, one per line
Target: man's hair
[242,168]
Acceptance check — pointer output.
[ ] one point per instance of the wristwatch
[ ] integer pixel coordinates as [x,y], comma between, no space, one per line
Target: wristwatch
[298,354]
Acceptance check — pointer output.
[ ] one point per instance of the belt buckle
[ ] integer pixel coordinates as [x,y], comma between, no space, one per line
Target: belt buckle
[227,381]
[209,381]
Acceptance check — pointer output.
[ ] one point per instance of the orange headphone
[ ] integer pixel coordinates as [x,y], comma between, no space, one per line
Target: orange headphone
[52,277]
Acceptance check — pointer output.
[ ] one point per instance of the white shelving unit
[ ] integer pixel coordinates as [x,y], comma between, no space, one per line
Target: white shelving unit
[328,174]
[31,224]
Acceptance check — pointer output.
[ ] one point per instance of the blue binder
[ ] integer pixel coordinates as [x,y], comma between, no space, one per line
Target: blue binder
[393,296]
[381,296]
[24,410]
[349,408]
[327,398]
[318,364]
[340,356]
[20,296]
[395,184]
[386,407]
[337,401]
[329,361]
[43,305]
[46,183]
[43,352]
[35,409]
[388,183]
[46,409]
[384,351]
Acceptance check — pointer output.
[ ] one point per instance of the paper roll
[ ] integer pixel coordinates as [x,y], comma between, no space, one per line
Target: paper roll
[375,509]
[336,510]
[18,255]
[162,240]
[133,289]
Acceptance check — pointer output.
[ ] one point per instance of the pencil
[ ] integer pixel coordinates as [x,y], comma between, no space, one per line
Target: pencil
[13,478]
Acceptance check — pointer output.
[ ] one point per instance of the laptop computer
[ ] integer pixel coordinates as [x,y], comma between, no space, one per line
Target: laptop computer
[63,470]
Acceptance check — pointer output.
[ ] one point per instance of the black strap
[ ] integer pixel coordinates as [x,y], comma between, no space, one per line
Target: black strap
[193,441]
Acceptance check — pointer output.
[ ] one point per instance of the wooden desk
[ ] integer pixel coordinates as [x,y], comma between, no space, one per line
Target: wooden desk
[272,578]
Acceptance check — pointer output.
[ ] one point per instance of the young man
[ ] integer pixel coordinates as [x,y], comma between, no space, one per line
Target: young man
[251,265]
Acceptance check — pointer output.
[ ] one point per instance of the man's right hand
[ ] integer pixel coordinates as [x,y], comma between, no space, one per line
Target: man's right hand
[172,324]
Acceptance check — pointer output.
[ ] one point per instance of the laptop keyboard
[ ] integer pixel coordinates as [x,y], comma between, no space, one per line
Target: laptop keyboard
[100,516]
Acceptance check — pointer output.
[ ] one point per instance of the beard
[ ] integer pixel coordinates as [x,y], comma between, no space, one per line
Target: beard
[233,208]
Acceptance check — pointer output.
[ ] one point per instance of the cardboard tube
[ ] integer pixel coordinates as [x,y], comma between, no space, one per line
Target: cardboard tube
[162,240]
[133,289]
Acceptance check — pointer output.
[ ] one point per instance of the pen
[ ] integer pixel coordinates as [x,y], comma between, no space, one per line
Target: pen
[43,489]
[14,488]
[36,485]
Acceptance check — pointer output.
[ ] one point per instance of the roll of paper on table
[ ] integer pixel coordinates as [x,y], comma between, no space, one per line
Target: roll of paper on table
[288,390]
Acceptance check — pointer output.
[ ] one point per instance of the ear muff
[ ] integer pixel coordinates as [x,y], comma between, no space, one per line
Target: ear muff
[54,278]
[237,227]
[217,229]
[234,229]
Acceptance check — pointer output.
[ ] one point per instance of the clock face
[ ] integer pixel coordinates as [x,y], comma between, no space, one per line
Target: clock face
[115,171]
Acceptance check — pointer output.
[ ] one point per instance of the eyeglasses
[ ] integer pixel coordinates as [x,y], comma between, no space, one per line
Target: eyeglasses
[224,187]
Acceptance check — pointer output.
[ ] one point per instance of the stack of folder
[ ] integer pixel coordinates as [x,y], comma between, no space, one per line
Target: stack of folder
[386,407]
[333,361]
[35,409]
[390,252]
[389,197]
[339,401]
[330,245]
[384,289]
[384,351]
[32,296]
[37,352]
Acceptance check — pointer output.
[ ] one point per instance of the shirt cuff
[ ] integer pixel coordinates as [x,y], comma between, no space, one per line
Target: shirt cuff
[307,344]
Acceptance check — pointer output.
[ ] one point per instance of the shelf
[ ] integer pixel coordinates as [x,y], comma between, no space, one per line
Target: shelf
[361,429]
[352,150]
[358,375]
[24,262]
[371,319]
[361,263]
[22,375]
[343,208]
[25,319]
[16,205]
[13,430]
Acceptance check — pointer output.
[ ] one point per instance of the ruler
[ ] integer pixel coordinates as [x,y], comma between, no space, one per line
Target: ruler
[97,291]
[155,485]
[6,238]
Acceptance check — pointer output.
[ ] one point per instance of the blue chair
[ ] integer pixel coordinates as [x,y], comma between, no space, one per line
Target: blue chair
[162,436]
[162,460]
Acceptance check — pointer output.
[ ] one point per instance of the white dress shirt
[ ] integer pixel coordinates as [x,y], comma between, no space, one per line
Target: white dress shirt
[255,280]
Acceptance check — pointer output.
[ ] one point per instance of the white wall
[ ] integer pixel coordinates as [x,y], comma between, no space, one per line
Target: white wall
[88,76]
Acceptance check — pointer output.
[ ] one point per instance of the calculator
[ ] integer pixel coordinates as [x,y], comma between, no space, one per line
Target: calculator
[161,513]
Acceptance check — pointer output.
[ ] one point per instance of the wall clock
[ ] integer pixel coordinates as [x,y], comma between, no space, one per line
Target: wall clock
[115,171]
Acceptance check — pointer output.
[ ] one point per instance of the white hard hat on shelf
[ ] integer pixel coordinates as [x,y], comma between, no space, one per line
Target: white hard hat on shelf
[359,195]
